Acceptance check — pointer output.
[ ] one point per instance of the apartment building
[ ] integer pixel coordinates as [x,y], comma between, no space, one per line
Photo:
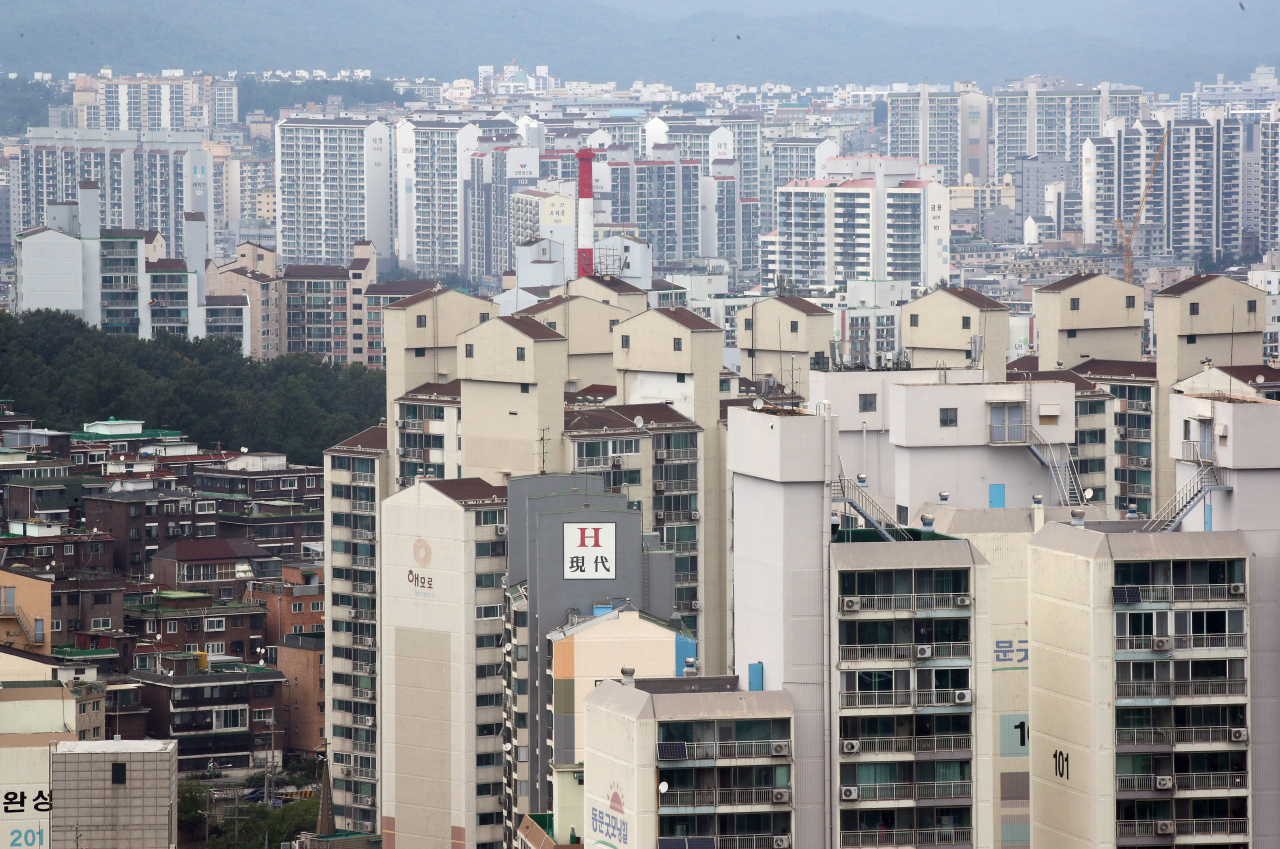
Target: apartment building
[147,180]
[1034,172]
[497,170]
[1088,316]
[1143,711]
[171,101]
[246,177]
[1268,148]
[333,189]
[788,159]
[944,128]
[875,228]
[782,338]
[358,476]
[1194,206]
[893,710]
[956,328]
[324,309]
[1029,120]
[538,215]
[200,622]
[720,764]
[428,433]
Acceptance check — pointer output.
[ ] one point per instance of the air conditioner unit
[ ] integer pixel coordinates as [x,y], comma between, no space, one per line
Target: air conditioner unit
[346,770]
[850,747]
[782,796]
[964,601]
[399,422]
[659,516]
[1236,589]
[964,697]
[850,605]
[1164,782]
[696,605]
[780,749]
[616,460]
[660,454]
[660,486]
[697,515]
[924,652]
[367,720]
[353,613]
[782,841]
[1239,735]
[502,530]
[1120,432]
[104,303]
[848,794]
[1166,827]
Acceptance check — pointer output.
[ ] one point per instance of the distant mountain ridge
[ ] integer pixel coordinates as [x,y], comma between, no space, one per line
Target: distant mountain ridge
[623,40]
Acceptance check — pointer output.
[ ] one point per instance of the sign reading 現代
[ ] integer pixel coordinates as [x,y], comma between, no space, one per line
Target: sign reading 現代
[589,551]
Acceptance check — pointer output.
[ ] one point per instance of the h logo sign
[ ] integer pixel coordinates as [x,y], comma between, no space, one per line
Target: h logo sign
[592,534]
[590,551]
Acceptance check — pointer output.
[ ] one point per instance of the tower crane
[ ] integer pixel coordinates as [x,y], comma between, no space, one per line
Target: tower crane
[1126,234]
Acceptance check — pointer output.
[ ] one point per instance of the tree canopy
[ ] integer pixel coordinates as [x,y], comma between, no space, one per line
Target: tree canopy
[65,373]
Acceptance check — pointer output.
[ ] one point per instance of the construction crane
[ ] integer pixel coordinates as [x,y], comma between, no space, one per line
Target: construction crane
[1127,233]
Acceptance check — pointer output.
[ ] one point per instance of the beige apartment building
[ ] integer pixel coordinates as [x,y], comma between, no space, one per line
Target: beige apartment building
[1087,317]
[588,325]
[956,328]
[782,337]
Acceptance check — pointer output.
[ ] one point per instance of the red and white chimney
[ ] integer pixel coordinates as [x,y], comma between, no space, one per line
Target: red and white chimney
[586,214]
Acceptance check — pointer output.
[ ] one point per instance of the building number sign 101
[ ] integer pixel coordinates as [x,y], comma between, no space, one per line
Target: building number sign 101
[590,552]
[1062,765]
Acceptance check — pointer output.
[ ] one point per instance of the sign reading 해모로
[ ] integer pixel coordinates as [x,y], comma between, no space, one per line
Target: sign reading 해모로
[589,551]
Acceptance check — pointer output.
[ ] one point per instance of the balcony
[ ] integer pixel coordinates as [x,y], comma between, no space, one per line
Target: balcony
[752,841]
[906,651]
[411,424]
[876,698]
[1014,434]
[363,560]
[906,745]
[363,588]
[1154,828]
[675,454]
[919,601]
[907,837]
[677,751]
[367,801]
[1180,689]
[1178,592]
[1212,780]
[362,506]
[927,698]
[363,746]
[736,796]
[364,694]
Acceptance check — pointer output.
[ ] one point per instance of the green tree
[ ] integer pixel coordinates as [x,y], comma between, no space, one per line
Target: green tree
[259,821]
[191,802]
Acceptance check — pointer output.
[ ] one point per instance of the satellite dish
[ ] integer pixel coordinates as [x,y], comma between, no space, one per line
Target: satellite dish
[1088,495]
[1259,379]
[638,421]
[662,787]
[244,450]
[757,404]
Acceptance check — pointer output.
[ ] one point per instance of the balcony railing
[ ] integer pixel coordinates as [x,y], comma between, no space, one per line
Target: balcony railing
[938,697]
[1135,782]
[1175,689]
[362,477]
[723,751]
[944,743]
[1212,780]
[687,798]
[886,837]
[749,841]
[919,601]
[363,588]
[885,792]
[876,698]
[1209,641]
[943,836]
[357,772]
[363,746]
[903,745]
[362,506]
[364,800]
[1144,736]
[944,789]
[363,694]
[905,651]
[1202,734]
[411,424]
[676,454]
[592,462]
[363,560]
[1006,434]
[746,796]
[1185,592]
[364,667]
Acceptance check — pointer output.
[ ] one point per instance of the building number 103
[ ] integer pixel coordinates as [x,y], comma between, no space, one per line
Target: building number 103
[1062,765]
[30,837]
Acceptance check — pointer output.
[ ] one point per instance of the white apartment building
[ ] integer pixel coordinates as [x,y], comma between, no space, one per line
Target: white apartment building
[333,189]
[148,179]
[1055,121]
[875,228]
[788,159]
[1269,180]
[1194,207]
[431,165]
[943,128]
[171,101]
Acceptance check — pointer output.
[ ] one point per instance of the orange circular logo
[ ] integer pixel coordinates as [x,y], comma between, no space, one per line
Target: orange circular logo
[422,552]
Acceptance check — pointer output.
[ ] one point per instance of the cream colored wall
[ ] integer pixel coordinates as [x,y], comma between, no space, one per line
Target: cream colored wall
[1105,328]
[651,336]
[777,351]
[447,316]
[13,668]
[633,302]
[622,757]
[940,329]
[1225,330]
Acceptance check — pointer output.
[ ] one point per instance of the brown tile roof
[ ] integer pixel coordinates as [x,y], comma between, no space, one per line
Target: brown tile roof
[597,418]
[1028,362]
[226,301]
[469,489]
[548,304]
[652,413]
[660,285]
[975,298]
[117,233]
[374,438]
[1117,368]
[88,184]
[400,287]
[530,327]
[1078,381]
[595,390]
[1067,282]
[193,216]
[616,284]
[196,550]
[1250,374]
[806,307]
[452,389]
[413,300]
[687,318]
[1195,281]
[360,264]
[315,272]
[166,265]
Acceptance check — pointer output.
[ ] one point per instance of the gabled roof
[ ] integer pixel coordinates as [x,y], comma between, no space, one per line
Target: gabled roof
[687,318]
[595,390]
[660,285]
[315,272]
[548,304]
[413,300]
[974,298]
[400,287]
[374,438]
[597,418]
[1027,362]
[530,327]
[1067,282]
[1195,281]
[164,266]
[1250,374]
[452,389]
[469,489]
[653,413]
[1117,368]
[194,550]
[616,284]
[806,307]
[226,301]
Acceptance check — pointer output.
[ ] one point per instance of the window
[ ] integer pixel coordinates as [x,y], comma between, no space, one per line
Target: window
[171,627]
[1130,301]
[1071,334]
[724,385]
[626,341]
[215,648]
[677,344]
[262,485]
[746,324]
[1191,340]
[524,389]
[915,319]
[1195,308]
[489,611]
[520,355]
[421,321]
[484,316]
[263,714]
[288,483]
[102,598]
[55,625]
[487,759]
[215,624]
[965,322]
[1251,306]
[680,378]
[947,417]
[488,729]
[103,624]
[317,606]
[867,403]
[471,350]
[795,327]
[206,506]
[297,607]
[119,773]
[68,550]
[419,352]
